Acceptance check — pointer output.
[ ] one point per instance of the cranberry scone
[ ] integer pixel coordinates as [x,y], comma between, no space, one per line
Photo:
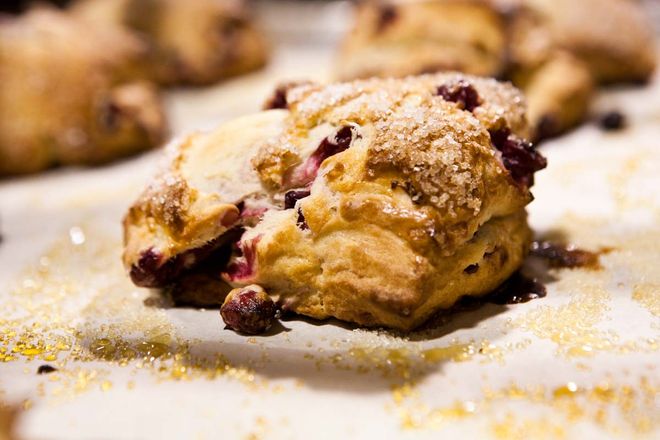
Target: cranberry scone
[560,50]
[375,201]
[193,41]
[556,51]
[399,38]
[67,94]
[614,38]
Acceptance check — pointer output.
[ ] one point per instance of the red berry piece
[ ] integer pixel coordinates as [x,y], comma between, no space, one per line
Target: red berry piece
[301,222]
[519,157]
[279,97]
[388,14]
[248,310]
[291,197]
[243,268]
[154,270]
[305,173]
[462,93]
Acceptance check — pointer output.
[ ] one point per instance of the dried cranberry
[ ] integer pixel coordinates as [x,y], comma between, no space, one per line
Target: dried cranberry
[147,271]
[291,197]
[301,222]
[612,121]
[230,26]
[109,115]
[462,93]
[279,99]
[388,14]
[243,267]
[335,144]
[152,270]
[518,156]
[305,173]
[248,310]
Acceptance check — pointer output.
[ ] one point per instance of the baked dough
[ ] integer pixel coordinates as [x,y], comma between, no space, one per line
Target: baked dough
[65,95]
[399,38]
[193,41]
[556,51]
[613,38]
[376,202]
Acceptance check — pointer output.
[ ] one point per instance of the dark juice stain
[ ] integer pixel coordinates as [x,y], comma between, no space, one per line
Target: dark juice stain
[567,256]
[520,288]
[517,289]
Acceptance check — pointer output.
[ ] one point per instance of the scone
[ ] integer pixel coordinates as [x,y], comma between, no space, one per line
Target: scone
[612,37]
[554,50]
[194,41]
[376,201]
[410,37]
[65,95]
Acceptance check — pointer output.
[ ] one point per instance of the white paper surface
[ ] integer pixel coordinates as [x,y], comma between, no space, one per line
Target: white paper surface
[580,363]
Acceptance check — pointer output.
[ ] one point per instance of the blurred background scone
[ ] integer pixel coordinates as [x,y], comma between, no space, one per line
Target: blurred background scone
[376,202]
[78,84]
[67,94]
[402,38]
[194,42]
[556,51]
[613,37]
[560,50]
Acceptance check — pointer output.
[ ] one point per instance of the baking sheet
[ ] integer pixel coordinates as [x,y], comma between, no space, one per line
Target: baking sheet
[581,362]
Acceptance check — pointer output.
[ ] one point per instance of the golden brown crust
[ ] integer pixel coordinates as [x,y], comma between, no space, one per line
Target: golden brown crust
[364,273]
[64,97]
[399,38]
[393,188]
[394,220]
[193,200]
[315,109]
[554,50]
[612,37]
